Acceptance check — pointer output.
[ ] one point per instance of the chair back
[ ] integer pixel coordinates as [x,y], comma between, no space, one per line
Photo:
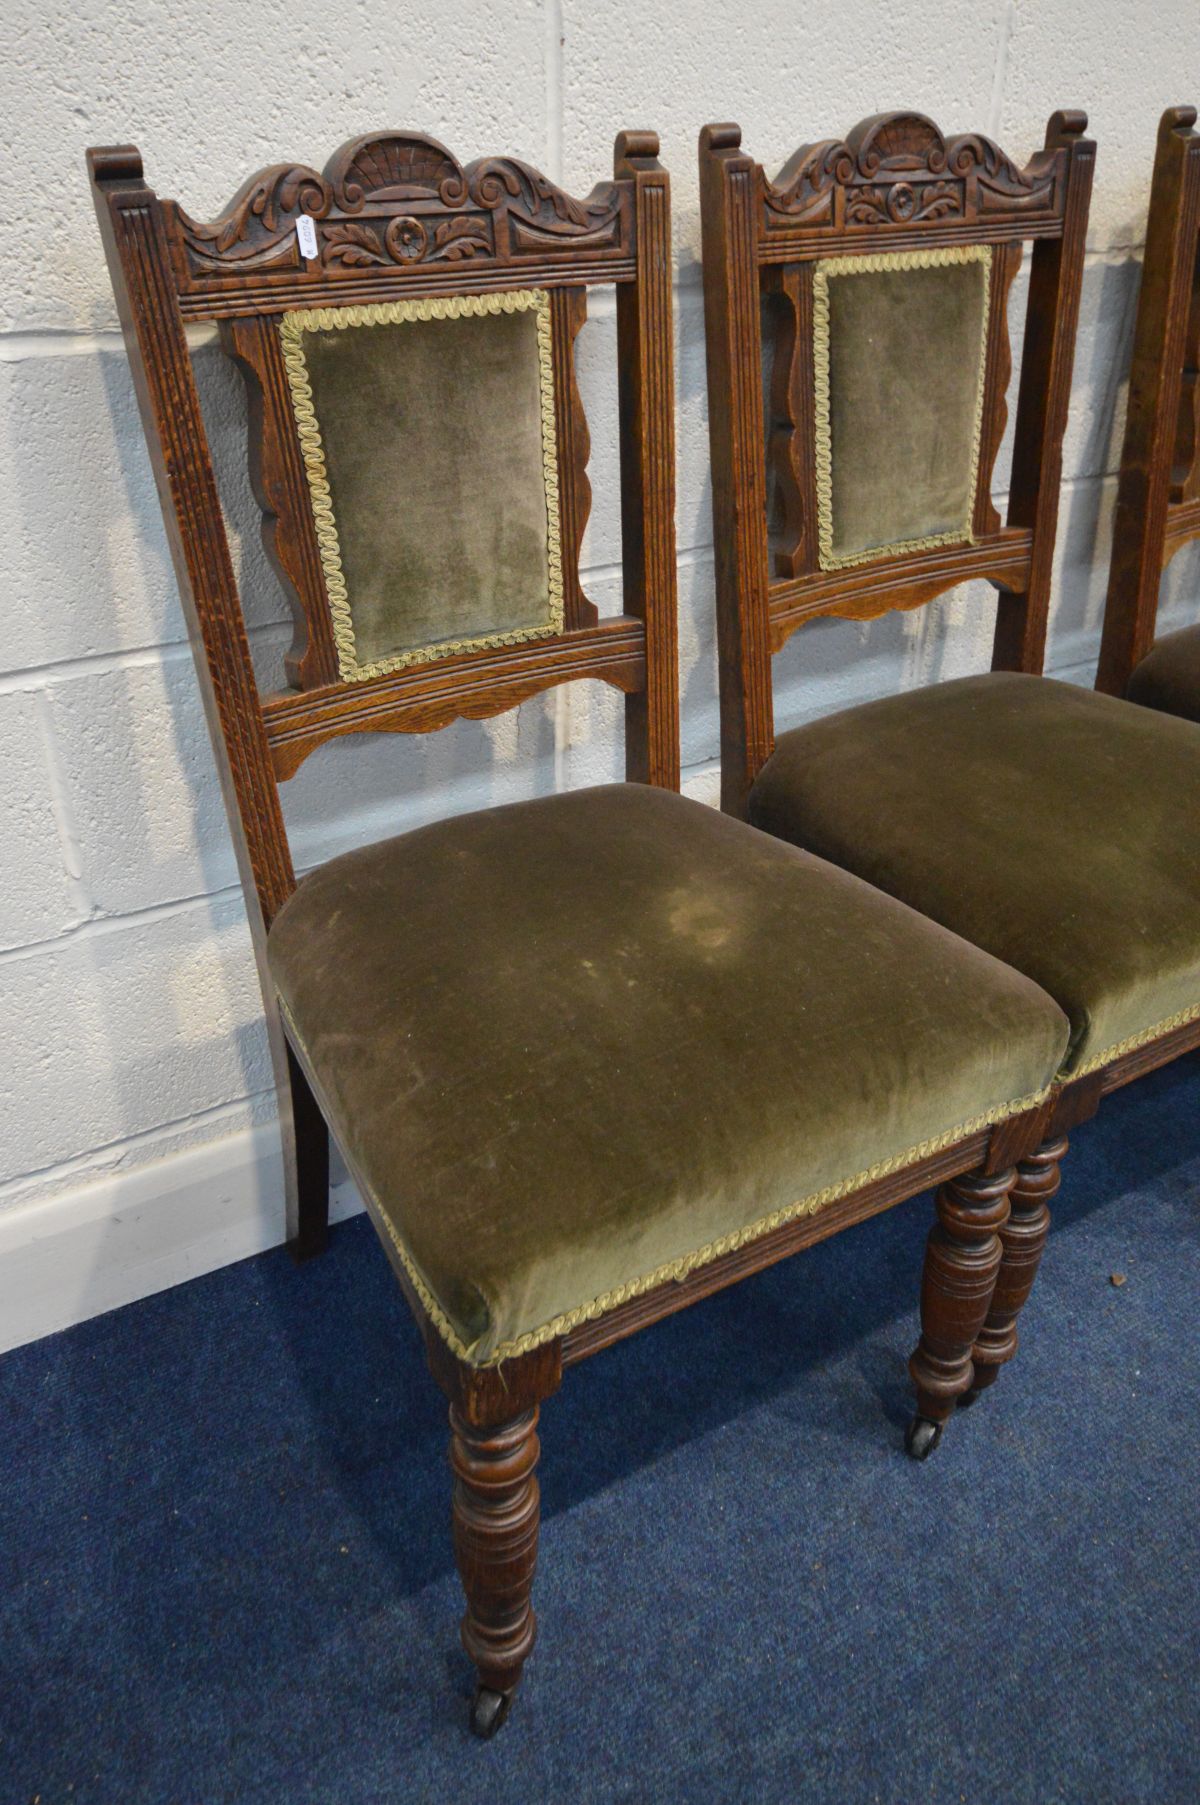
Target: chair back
[888,257]
[407,326]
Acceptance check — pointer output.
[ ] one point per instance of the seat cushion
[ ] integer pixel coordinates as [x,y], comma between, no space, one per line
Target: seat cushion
[1168,678]
[577,1046]
[1056,828]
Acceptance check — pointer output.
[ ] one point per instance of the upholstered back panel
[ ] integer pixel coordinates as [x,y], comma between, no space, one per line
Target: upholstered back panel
[900,351]
[427,432]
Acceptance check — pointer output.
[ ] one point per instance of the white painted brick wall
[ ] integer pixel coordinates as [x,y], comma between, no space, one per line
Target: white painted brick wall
[131,1018]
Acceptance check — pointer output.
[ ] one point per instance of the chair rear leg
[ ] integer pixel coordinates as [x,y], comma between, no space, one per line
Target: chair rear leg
[1023,1238]
[306,1165]
[962,1261]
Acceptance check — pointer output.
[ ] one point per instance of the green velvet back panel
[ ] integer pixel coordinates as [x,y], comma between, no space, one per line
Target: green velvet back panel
[900,358]
[438,520]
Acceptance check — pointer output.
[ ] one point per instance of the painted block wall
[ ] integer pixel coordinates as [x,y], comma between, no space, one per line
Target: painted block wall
[136,1113]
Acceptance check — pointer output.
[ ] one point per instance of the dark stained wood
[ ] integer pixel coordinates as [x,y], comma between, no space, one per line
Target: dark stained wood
[989,1151]
[1019,1137]
[1183,523]
[380,198]
[905,580]
[733,334]
[395,214]
[1185,477]
[277,478]
[569,311]
[1006,261]
[962,1261]
[469,686]
[896,172]
[1023,1240]
[1079,1099]
[131,223]
[1149,1057]
[489,1396]
[308,1198]
[493,1455]
[1154,516]
[1055,283]
[792,446]
[496,1514]
[646,399]
[131,227]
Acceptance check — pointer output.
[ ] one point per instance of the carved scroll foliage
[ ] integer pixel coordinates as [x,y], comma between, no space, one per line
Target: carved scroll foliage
[260,220]
[398,200]
[899,170]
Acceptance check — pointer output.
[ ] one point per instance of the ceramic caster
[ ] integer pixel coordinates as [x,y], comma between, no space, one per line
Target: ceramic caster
[922,1438]
[488,1711]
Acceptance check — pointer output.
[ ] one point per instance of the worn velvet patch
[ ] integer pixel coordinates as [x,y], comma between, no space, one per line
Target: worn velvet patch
[569,1042]
[1054,827]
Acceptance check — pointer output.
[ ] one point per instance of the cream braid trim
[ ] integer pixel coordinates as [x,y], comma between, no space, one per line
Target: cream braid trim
[676,1269]
[1132,1042]
[857,266]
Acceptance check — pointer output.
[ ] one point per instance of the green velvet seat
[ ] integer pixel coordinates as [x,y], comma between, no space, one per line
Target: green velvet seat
[1054,827]
[577,1046]
[1168,678]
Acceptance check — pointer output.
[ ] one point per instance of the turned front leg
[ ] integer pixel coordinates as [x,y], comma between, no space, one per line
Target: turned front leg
[496,1509]
[962,1261]
[1023,1238]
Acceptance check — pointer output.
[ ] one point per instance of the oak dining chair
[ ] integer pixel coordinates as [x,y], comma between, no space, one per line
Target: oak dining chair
[592,1056]
[1049,825]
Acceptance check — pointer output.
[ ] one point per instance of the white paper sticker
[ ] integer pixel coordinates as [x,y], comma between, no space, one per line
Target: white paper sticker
[306,234]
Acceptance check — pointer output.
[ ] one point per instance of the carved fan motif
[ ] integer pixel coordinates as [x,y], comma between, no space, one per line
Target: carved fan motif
[395,168]
[903,141]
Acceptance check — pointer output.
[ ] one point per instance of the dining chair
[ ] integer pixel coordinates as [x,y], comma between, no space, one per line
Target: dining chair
[590,1056]
[1053,827]
[1158,495]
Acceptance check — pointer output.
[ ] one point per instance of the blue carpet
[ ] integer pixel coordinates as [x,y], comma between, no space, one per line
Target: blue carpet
[226,1572]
